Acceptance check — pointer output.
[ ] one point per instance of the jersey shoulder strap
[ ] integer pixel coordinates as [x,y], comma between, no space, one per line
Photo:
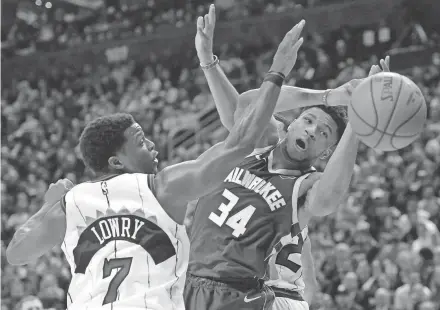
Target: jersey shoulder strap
[263,151]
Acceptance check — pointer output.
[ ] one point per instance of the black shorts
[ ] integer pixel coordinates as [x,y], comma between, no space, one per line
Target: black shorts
[206,294]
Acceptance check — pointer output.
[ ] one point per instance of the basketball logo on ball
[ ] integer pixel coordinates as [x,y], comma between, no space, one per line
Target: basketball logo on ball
[388,111]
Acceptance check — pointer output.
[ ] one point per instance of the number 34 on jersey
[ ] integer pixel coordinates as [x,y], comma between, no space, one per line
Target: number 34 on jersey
[237,221]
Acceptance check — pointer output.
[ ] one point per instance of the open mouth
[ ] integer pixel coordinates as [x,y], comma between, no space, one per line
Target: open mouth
[301,144]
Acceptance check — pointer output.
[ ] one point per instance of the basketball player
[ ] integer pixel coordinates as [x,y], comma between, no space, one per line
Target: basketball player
[122,233]
[235,228]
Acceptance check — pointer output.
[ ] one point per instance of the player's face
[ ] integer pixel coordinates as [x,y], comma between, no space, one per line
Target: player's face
[310,135]
[138,154]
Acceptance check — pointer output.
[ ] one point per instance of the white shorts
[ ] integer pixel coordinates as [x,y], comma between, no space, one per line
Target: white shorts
[282,303]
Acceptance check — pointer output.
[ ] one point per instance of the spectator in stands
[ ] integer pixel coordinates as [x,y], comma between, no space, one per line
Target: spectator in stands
[381,249]
[29,303]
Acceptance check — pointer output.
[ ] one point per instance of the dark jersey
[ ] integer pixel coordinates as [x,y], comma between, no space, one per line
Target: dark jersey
[236,226]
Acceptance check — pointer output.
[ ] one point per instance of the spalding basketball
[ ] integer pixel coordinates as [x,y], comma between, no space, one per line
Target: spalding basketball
[387,111]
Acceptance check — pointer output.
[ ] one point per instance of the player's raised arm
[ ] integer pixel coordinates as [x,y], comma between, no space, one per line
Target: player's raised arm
[224,93]
[178,184]
[326,194]
[230,104]
[309,271]
[44,230]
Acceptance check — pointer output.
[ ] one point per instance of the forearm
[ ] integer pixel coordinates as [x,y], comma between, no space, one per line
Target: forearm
[291,97]
[256,117]
[341,164]
[309,272]
[311,285]
[224,93]
[26,245]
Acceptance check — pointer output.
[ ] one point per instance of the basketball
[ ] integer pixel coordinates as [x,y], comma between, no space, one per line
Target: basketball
[387,111]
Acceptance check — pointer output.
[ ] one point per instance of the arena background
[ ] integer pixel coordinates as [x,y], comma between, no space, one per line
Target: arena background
[69,61]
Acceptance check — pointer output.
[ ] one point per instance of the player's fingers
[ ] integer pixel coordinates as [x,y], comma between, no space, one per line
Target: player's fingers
[298,44]
[374,69]
[200,23]
[200,27]
[384,66]
[297,30]
[212,15]
[387,61]
[294,30]
[206,18]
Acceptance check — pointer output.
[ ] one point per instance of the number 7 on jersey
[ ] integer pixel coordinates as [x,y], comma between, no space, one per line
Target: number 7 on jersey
[238,221]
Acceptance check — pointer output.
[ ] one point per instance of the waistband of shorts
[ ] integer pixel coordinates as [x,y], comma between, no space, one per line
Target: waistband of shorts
[240,284]
[284,293]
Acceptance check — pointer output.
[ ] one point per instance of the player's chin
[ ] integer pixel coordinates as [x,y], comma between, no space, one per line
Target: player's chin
[296,154]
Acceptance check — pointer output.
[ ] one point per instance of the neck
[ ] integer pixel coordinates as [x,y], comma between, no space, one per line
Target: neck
[282,160]
[103,175]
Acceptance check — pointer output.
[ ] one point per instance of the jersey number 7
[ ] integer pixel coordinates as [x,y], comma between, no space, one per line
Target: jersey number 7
[238,221]
[124,265]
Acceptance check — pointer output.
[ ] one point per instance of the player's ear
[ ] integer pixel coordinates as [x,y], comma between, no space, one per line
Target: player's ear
[326,153]
[115,163]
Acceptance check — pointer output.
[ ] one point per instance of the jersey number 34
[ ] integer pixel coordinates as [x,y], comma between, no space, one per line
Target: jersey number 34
[237,221]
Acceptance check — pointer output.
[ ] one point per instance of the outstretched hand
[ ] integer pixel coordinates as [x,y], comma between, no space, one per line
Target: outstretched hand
[205,36]
[287,52]
[342,94]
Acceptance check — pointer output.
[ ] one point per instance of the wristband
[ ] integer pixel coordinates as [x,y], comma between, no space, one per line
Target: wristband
[277,73]
[325,96]
[211,65]
[277,79]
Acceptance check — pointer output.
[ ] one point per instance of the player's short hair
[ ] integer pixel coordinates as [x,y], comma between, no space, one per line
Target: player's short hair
[102,138]
[338,114]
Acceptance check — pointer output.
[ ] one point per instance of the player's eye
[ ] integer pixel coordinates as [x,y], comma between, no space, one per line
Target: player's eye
[324,134]
[308,120]
[142,142]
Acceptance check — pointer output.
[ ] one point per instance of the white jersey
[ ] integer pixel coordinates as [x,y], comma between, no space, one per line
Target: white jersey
[285,267]
[124,251]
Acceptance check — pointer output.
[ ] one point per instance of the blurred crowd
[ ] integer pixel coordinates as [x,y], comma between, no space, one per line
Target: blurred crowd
[45,25]
[380,251]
